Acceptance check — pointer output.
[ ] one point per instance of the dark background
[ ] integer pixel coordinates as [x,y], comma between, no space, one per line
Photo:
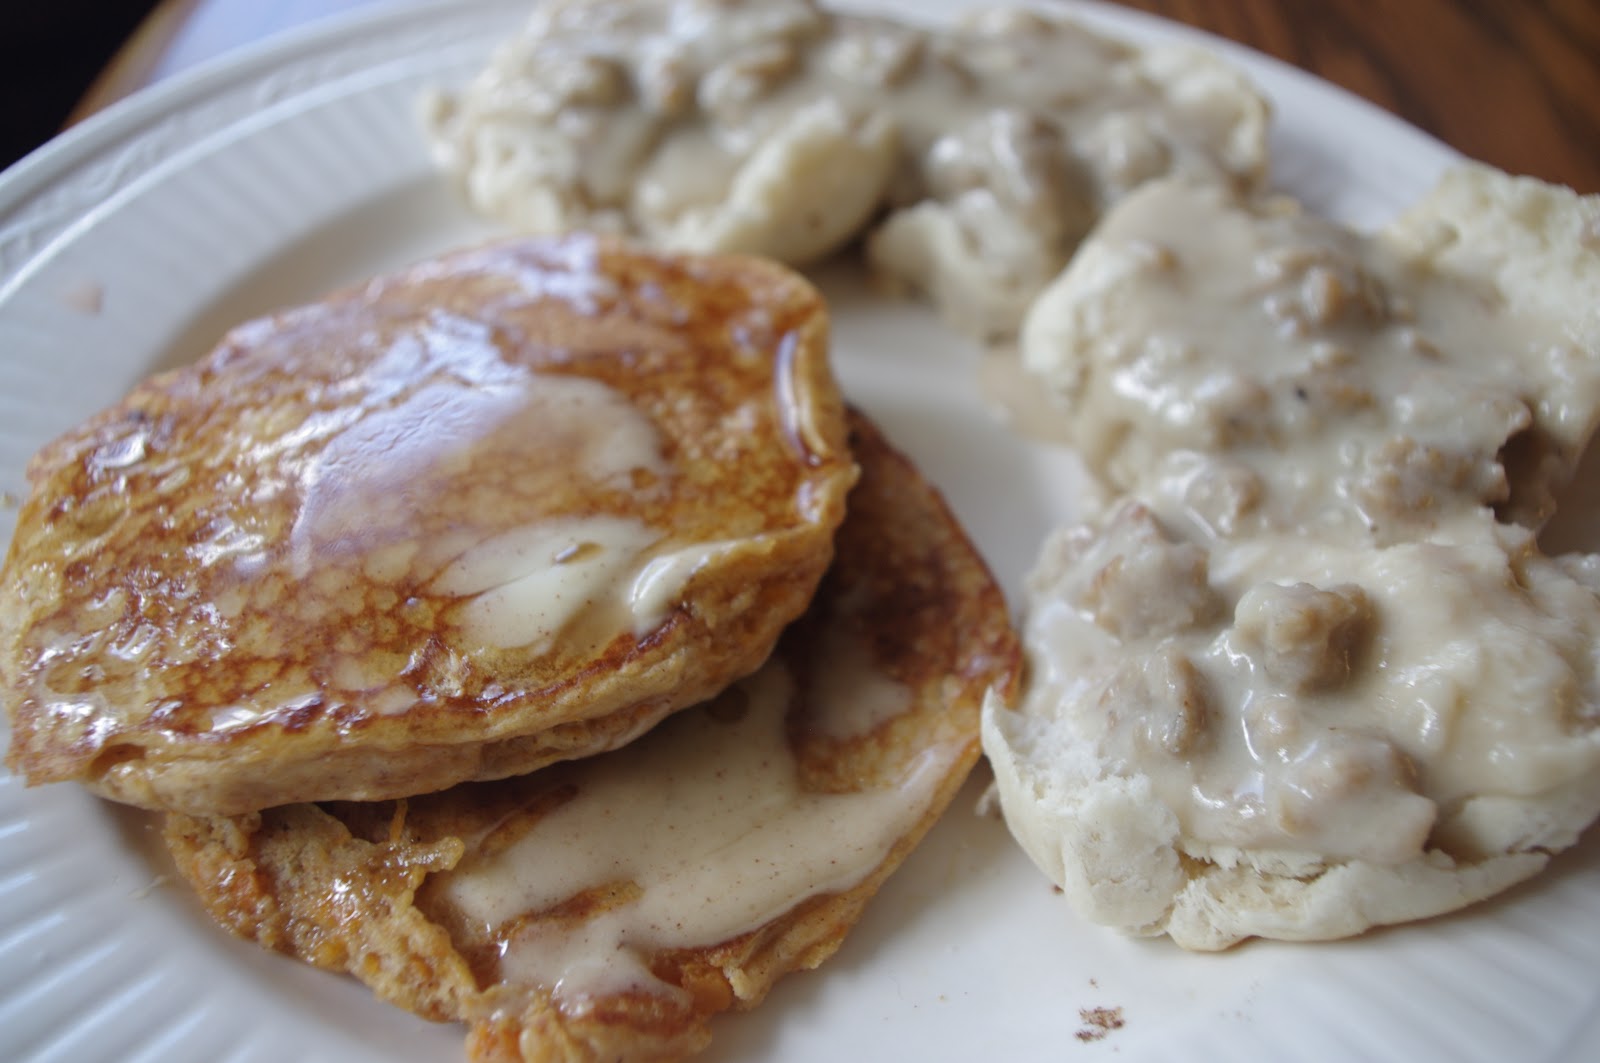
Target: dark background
[50,52]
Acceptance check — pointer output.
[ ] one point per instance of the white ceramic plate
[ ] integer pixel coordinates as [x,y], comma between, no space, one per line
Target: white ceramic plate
[132,241]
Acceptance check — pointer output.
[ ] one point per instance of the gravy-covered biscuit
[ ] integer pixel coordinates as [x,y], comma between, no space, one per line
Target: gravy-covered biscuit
[973,157]
[1314,673]
[505,507]
[606,908]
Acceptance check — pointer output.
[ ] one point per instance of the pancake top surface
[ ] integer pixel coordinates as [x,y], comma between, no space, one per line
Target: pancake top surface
[413,527]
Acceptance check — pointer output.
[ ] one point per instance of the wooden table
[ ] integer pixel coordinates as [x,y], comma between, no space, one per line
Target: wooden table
[1515,83]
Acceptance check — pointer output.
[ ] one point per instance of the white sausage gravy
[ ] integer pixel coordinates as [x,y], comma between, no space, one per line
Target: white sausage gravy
[979,154]
[1313,672]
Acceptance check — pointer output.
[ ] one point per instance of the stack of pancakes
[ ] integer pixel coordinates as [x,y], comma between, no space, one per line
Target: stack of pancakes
[534,634]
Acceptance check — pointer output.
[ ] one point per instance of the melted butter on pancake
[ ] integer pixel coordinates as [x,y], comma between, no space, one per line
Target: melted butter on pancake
[660,582]
[527,585]
[703,828]
[854,695]
[434,406]
[403,438]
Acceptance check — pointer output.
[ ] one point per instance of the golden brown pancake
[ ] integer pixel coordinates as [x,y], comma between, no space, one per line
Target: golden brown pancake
[606,908]
[502,508]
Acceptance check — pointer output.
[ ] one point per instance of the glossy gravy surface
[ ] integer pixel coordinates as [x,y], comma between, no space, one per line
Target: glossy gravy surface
[1319,620]
[782,128]
[688,837]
